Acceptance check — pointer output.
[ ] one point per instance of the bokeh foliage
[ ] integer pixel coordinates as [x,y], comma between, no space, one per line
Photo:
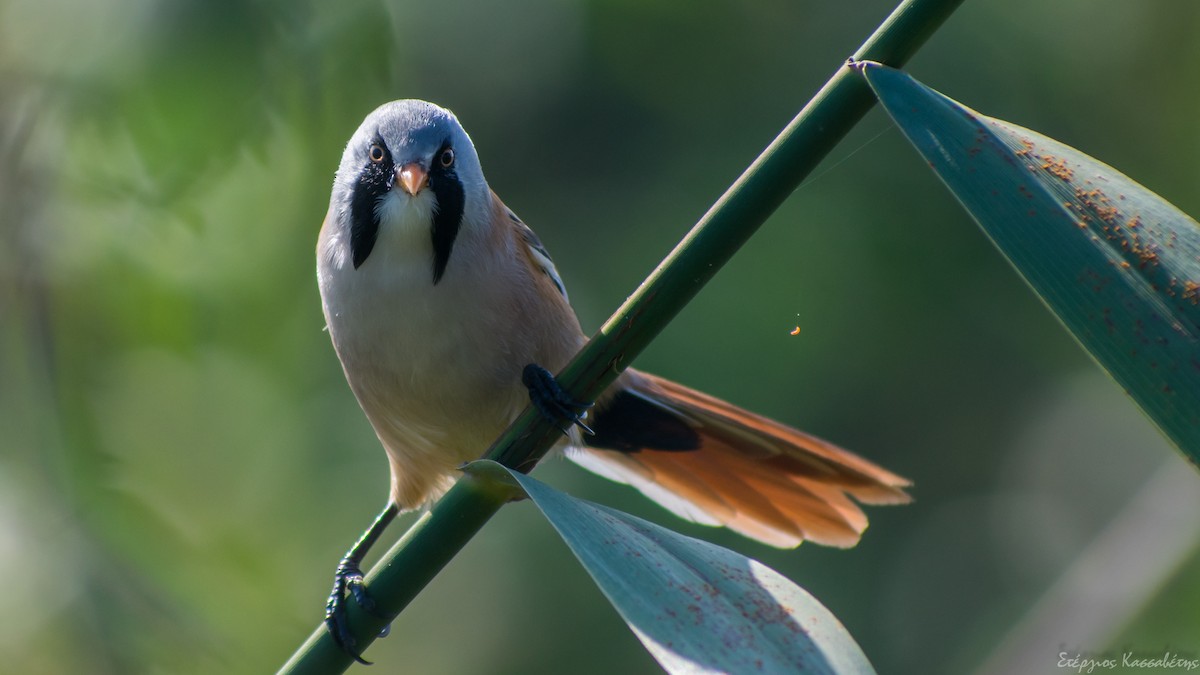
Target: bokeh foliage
[181,463]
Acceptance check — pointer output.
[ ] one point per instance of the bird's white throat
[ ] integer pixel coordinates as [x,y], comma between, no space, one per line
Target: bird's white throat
[404,224]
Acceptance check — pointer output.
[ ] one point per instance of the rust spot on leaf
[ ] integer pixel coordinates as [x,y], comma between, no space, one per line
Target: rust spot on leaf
[1057,167]
[1191,291]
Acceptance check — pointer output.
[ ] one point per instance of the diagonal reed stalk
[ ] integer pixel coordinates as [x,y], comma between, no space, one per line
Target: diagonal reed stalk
[438,536]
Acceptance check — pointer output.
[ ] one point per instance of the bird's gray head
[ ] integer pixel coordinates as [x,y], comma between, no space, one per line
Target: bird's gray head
[410,166]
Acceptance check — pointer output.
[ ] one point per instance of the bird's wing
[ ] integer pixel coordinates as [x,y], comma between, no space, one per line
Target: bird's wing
[538,255]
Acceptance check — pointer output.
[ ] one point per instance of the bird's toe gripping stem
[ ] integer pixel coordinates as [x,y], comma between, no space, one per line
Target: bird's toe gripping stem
[347,582]
[548,396]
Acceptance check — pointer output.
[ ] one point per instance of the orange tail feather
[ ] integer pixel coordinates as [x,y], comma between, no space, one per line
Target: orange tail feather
[714,463]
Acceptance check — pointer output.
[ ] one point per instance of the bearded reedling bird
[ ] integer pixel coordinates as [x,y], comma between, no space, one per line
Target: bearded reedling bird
[449,316]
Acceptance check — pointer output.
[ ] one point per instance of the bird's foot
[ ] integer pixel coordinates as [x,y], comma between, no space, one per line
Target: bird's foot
[548,396]
[347,583]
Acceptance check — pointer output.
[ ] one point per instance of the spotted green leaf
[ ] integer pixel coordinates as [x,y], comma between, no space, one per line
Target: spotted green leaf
[1118,264]
[697,607]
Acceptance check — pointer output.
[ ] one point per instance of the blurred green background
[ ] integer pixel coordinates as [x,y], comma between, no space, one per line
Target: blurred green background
[182,464]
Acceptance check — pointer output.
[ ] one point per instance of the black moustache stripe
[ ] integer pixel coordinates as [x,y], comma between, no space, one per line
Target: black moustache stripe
[373,183]
[447,217]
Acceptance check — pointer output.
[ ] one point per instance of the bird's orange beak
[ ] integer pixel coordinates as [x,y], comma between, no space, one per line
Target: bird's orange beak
[412,178]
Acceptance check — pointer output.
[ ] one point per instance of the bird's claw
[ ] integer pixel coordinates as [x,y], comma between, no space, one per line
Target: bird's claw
[348,582]
[548,396]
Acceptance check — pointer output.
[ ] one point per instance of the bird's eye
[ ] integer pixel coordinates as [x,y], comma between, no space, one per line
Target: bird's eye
[447,158]
[376,153]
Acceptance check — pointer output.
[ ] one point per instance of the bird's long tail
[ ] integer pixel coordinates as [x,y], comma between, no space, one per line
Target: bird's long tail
[713,463]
